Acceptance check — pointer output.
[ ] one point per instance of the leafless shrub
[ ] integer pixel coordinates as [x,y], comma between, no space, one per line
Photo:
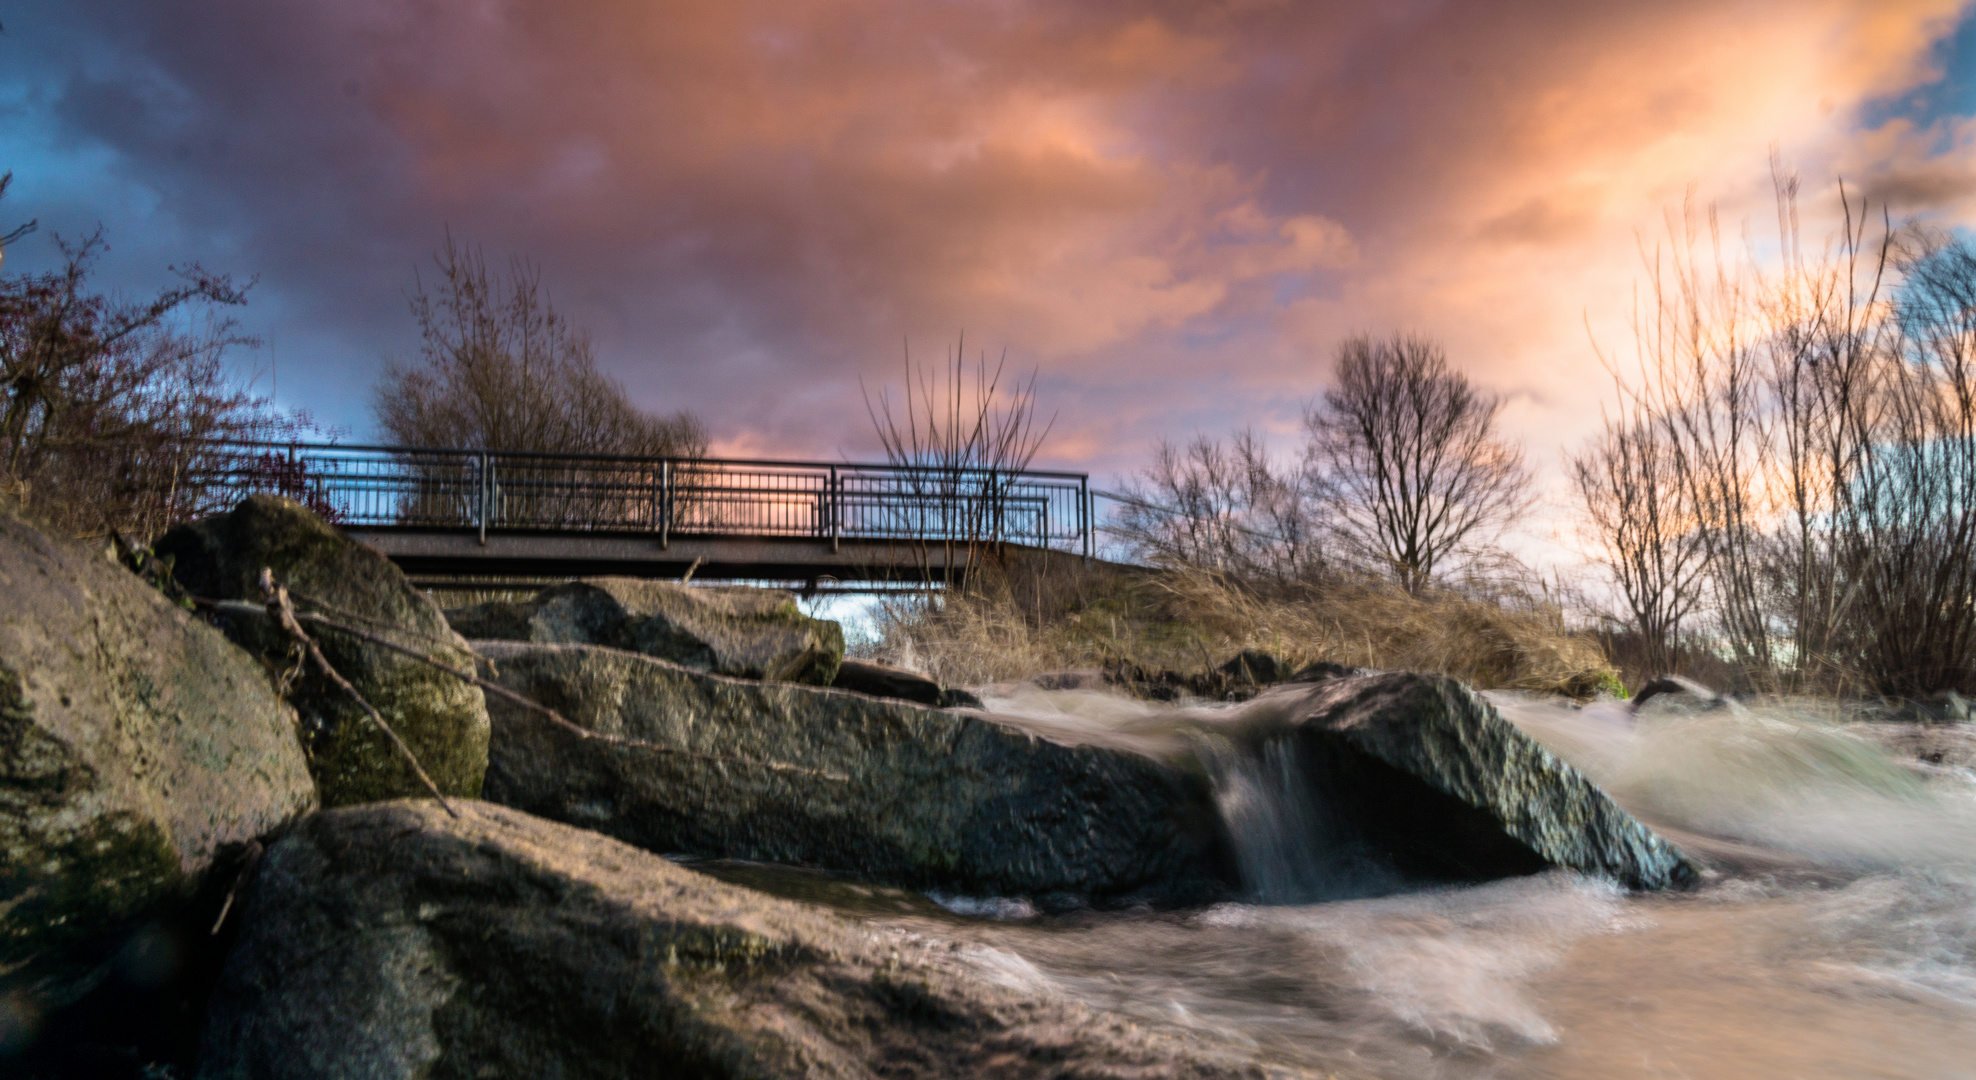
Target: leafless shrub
[1798,444]
[1407,457]
[965,440]
[1225,507]
[110,406]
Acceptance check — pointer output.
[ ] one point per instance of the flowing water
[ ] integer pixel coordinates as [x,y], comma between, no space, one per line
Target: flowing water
[1835,935]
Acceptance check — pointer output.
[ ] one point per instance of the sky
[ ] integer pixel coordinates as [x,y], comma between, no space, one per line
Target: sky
[1171,212]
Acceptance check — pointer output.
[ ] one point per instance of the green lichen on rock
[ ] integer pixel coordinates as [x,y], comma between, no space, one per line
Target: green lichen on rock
[135,744]
[392,942]
[743,632]
[442,720]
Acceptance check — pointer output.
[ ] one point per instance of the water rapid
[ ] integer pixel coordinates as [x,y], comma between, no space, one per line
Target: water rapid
[1834,935]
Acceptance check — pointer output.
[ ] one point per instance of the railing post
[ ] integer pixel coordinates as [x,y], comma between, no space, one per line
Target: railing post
[833,505]
[665,505]
[486,496]
[1087,511]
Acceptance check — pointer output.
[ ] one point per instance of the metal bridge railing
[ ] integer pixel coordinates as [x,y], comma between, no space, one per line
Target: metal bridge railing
[505,491]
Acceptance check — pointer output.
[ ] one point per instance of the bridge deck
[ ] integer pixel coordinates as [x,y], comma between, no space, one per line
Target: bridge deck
[429,553]
[447,512]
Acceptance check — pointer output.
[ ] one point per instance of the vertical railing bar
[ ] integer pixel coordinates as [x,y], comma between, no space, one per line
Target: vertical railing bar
[1085,512]
[486,496]
[665,505]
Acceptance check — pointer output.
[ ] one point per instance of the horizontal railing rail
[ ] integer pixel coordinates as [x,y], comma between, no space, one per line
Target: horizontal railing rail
[490,491]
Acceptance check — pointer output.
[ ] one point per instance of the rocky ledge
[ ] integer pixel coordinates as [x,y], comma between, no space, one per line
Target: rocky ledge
[881,788]
[391,941]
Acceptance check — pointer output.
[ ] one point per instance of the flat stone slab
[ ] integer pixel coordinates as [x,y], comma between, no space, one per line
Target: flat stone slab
[879,788]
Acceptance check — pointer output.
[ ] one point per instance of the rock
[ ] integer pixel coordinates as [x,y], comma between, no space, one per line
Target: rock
[1237,680]
[883,680]
[1680,694]
[1325,669]
[137,746]
[1253,667]
[744,632]
[1082,679]
[1445,788]
[955,698]
[390,941]
[442,719]
[880,788]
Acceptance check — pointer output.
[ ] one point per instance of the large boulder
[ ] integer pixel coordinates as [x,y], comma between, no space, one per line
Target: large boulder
[137,746]
[391,941]
[1444,787]
[884,789]
[734,630]
[442,719]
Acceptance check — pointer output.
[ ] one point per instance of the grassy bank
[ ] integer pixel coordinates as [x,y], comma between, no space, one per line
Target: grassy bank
[1054,614]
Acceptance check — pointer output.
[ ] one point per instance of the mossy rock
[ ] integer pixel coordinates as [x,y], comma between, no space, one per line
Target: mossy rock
[442,719]
[136,746]
[734,630]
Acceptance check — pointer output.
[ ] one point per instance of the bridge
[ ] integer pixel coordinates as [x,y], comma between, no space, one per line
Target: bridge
[485,514]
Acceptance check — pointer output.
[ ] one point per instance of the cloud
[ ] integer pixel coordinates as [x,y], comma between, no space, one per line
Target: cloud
[1174,210]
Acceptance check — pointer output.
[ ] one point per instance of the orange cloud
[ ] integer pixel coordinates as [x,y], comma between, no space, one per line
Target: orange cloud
[1175,210]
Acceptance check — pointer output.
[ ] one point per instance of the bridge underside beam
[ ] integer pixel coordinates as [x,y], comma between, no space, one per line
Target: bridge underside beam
[448,553]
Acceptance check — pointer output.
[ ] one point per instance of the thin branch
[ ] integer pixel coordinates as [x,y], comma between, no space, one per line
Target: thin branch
[238,607]
[283,613]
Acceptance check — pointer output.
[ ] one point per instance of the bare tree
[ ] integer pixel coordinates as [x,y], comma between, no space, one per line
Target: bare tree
[1407,456]
[1818,423]
[1629,481]
[1225,507]
[18,231]
[965,440]
[500,368]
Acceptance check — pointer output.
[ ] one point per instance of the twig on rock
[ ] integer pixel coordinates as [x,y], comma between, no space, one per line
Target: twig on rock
[239,607]
[283,613]
[247,860]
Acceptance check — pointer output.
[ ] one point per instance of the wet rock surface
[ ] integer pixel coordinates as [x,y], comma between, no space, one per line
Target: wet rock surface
[392,941]
[442,719]
[744,632]
[1239,679]
[137,749]
[1679,695]
[1446,788]
[883,789]
[883,680]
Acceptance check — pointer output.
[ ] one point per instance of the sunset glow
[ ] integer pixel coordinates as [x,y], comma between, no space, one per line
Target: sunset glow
[1175,213]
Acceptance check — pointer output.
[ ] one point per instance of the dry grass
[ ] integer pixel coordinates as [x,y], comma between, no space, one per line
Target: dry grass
[1061,617]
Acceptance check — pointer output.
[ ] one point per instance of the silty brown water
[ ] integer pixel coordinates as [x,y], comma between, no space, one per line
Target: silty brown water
[1836,936]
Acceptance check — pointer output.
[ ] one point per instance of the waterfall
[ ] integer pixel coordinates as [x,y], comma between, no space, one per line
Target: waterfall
[1290,844]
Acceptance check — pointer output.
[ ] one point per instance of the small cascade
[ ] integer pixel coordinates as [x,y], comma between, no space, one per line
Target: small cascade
[1290,845]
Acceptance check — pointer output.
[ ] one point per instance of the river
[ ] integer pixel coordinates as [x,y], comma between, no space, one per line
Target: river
[1834,934]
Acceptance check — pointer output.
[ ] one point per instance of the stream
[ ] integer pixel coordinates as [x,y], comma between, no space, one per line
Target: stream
[1834,935]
